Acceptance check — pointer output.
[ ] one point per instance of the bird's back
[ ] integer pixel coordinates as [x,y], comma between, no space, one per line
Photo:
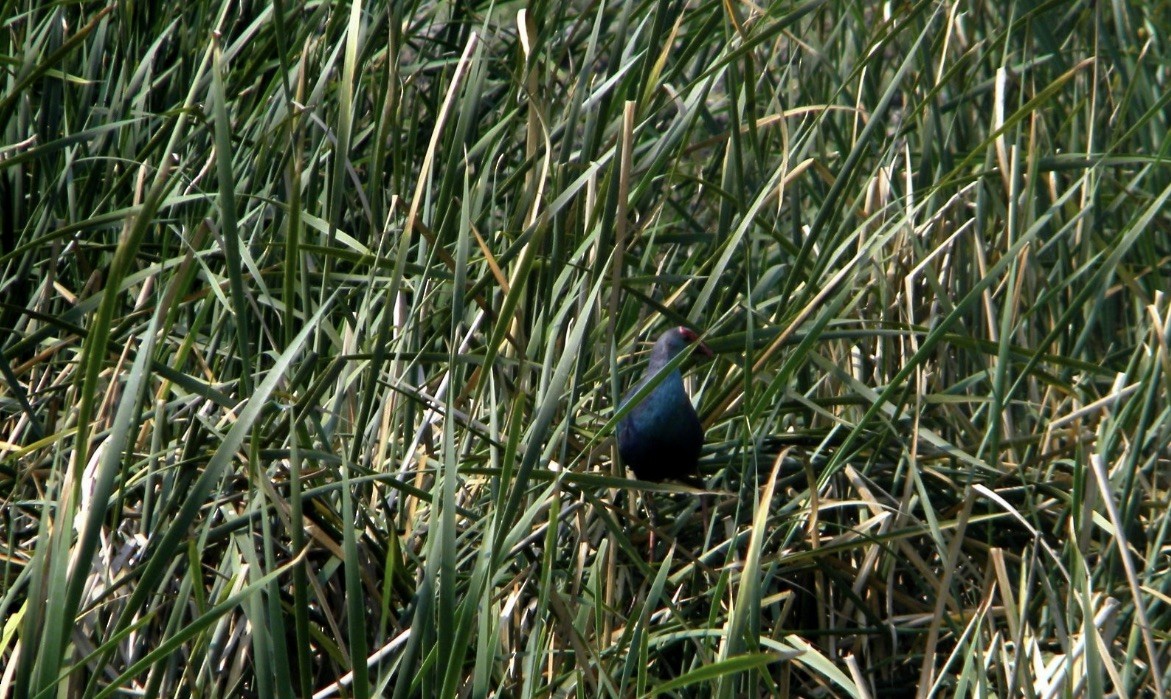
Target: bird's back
[661,437]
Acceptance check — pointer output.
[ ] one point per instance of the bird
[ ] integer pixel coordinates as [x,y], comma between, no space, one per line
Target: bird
[661,437]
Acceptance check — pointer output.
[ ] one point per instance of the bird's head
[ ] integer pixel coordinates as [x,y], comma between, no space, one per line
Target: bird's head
[676,339]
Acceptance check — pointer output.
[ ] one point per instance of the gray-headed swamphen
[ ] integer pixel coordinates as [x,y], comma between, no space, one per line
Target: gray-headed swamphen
[661,437]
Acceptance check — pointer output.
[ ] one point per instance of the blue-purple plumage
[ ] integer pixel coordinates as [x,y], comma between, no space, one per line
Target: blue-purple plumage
[661,437]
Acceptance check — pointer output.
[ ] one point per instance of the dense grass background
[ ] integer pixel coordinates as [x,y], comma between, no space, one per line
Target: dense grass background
[314,318]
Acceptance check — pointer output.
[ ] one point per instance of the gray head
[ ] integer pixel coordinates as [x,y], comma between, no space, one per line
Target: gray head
[675,341]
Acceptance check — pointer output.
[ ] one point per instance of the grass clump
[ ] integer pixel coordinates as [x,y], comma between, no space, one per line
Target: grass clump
[315,319]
